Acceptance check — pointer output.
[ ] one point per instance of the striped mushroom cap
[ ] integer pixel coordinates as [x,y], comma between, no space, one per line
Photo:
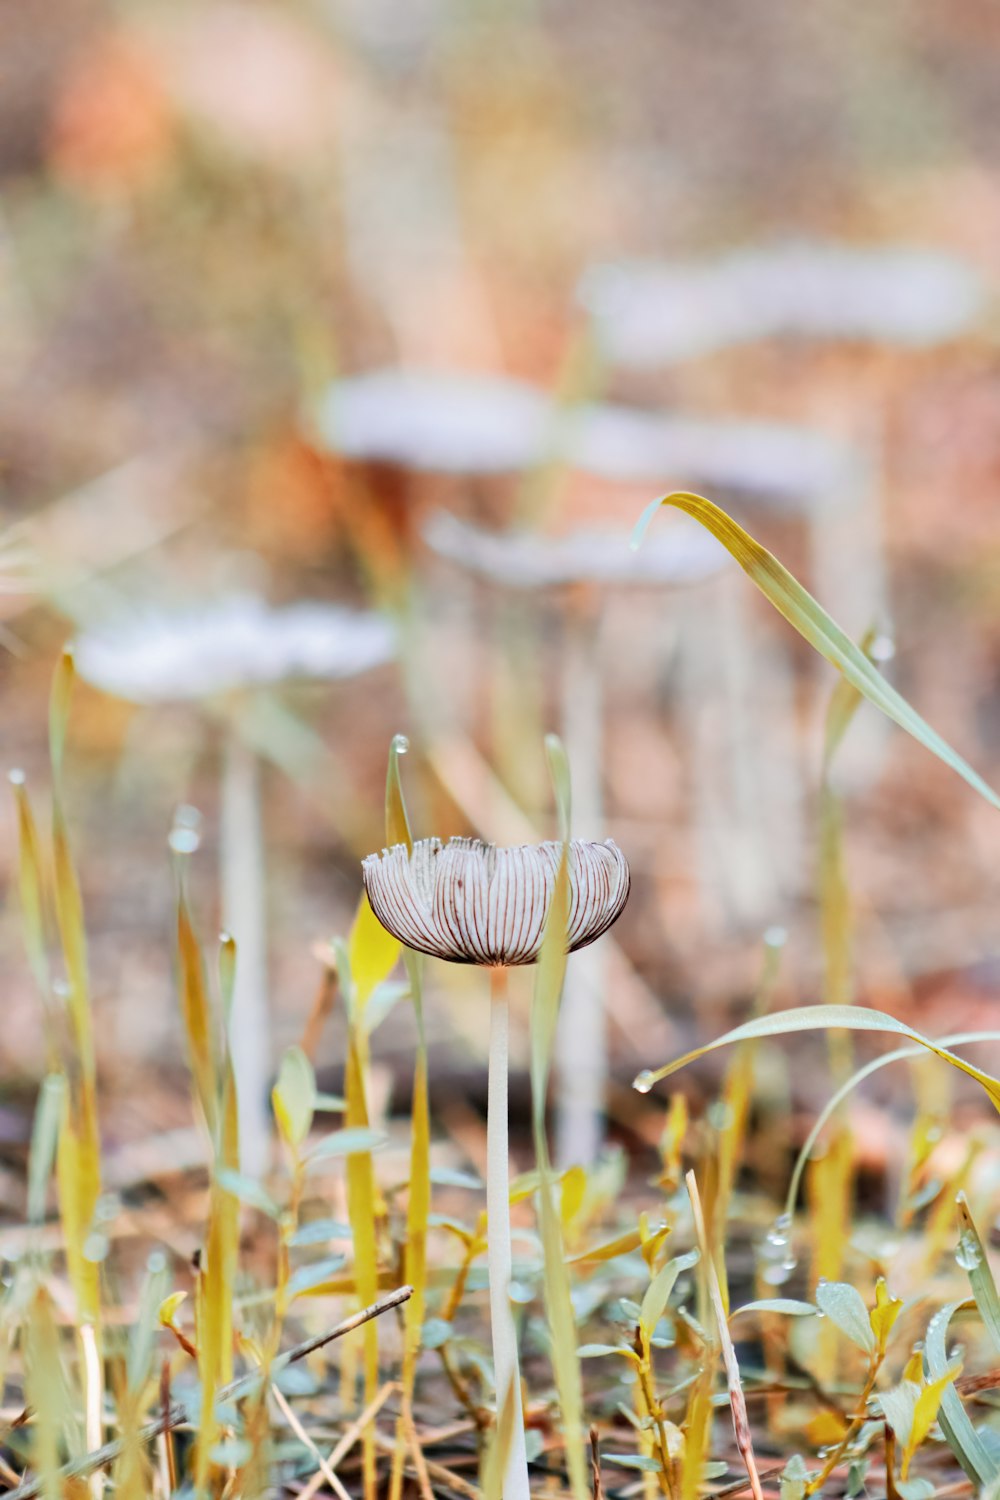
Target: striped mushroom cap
[473,903]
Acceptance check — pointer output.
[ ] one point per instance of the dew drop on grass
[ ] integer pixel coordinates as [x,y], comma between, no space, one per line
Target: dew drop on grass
[775,937]
[185,835]
[967,1254]
[643,1081]
[400,744]
[778,1260]
[16,777]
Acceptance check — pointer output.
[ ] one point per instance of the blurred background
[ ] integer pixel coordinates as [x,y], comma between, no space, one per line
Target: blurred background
[408,309]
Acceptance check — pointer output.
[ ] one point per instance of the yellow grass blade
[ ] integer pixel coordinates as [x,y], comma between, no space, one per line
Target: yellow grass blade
[198,1021]
[31,885]
[362,1211]
[813,623]
[45,1390]
[544,1015]
[397,831]
[216,1283]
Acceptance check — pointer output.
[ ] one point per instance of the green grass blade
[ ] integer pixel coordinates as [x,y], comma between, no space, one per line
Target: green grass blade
[977,1268]
[821,1018]
[813,623]
[962,1438]
[960,1038]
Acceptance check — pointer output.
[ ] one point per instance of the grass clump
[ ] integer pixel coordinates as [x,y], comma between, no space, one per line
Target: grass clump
[668,1340]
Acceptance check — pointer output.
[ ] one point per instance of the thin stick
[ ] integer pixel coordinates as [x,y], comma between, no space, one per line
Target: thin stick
[246,1385]
[281,1401]
[505,1363]
[350,1437]
[741,1423]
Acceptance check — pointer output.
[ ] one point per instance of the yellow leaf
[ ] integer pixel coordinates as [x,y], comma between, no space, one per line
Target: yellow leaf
[884,1314]
[372,953]
[825,1429]
[925,1412]
[170,1306]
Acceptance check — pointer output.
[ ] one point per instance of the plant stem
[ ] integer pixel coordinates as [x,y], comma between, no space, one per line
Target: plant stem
[498,1253]
[857,1420]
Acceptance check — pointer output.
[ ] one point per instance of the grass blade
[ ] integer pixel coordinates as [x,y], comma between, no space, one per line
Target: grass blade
[549,977]
[813,623]
[963,1439]
[821,1018]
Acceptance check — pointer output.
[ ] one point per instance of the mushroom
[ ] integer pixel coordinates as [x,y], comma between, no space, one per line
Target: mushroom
[219,654]
[472,903]
[651,313]
[585,562]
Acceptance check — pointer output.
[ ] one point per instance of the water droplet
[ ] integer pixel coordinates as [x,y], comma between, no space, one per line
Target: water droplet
[643,1082]
[776,937]
[185,835]
[400,744]
[968,1254]
[777,1258]
[520,1292]
[16,777]
[883,648]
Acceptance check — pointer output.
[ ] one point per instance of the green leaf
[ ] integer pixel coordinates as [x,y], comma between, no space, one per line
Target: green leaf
[821,1018]
[898,1406]
[787,1305]
[633,1461]
[248,1191]
[314,1275]
[658,1292]
[346,1143]
[844,1306]
[319,1232]
[812,622]
[449,1177]
[294,1097]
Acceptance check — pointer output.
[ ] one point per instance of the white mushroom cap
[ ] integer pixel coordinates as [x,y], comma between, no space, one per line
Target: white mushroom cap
[681,553]
[473,903]
[159,656]
[450,423]
[475,424]
[652,312]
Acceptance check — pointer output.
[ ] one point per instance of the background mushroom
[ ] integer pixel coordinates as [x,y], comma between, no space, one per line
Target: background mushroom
[221,655]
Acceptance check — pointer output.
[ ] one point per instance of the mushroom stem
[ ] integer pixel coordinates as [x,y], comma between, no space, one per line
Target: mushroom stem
[505,1362]
[245,916]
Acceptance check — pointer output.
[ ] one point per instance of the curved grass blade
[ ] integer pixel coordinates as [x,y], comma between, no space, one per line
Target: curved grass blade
[900,1054]
[821,1018]
[962,1438]
[813,623]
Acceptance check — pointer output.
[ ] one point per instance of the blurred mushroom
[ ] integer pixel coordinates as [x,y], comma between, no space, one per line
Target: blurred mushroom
[221,654]
[583,562]
[650,313]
